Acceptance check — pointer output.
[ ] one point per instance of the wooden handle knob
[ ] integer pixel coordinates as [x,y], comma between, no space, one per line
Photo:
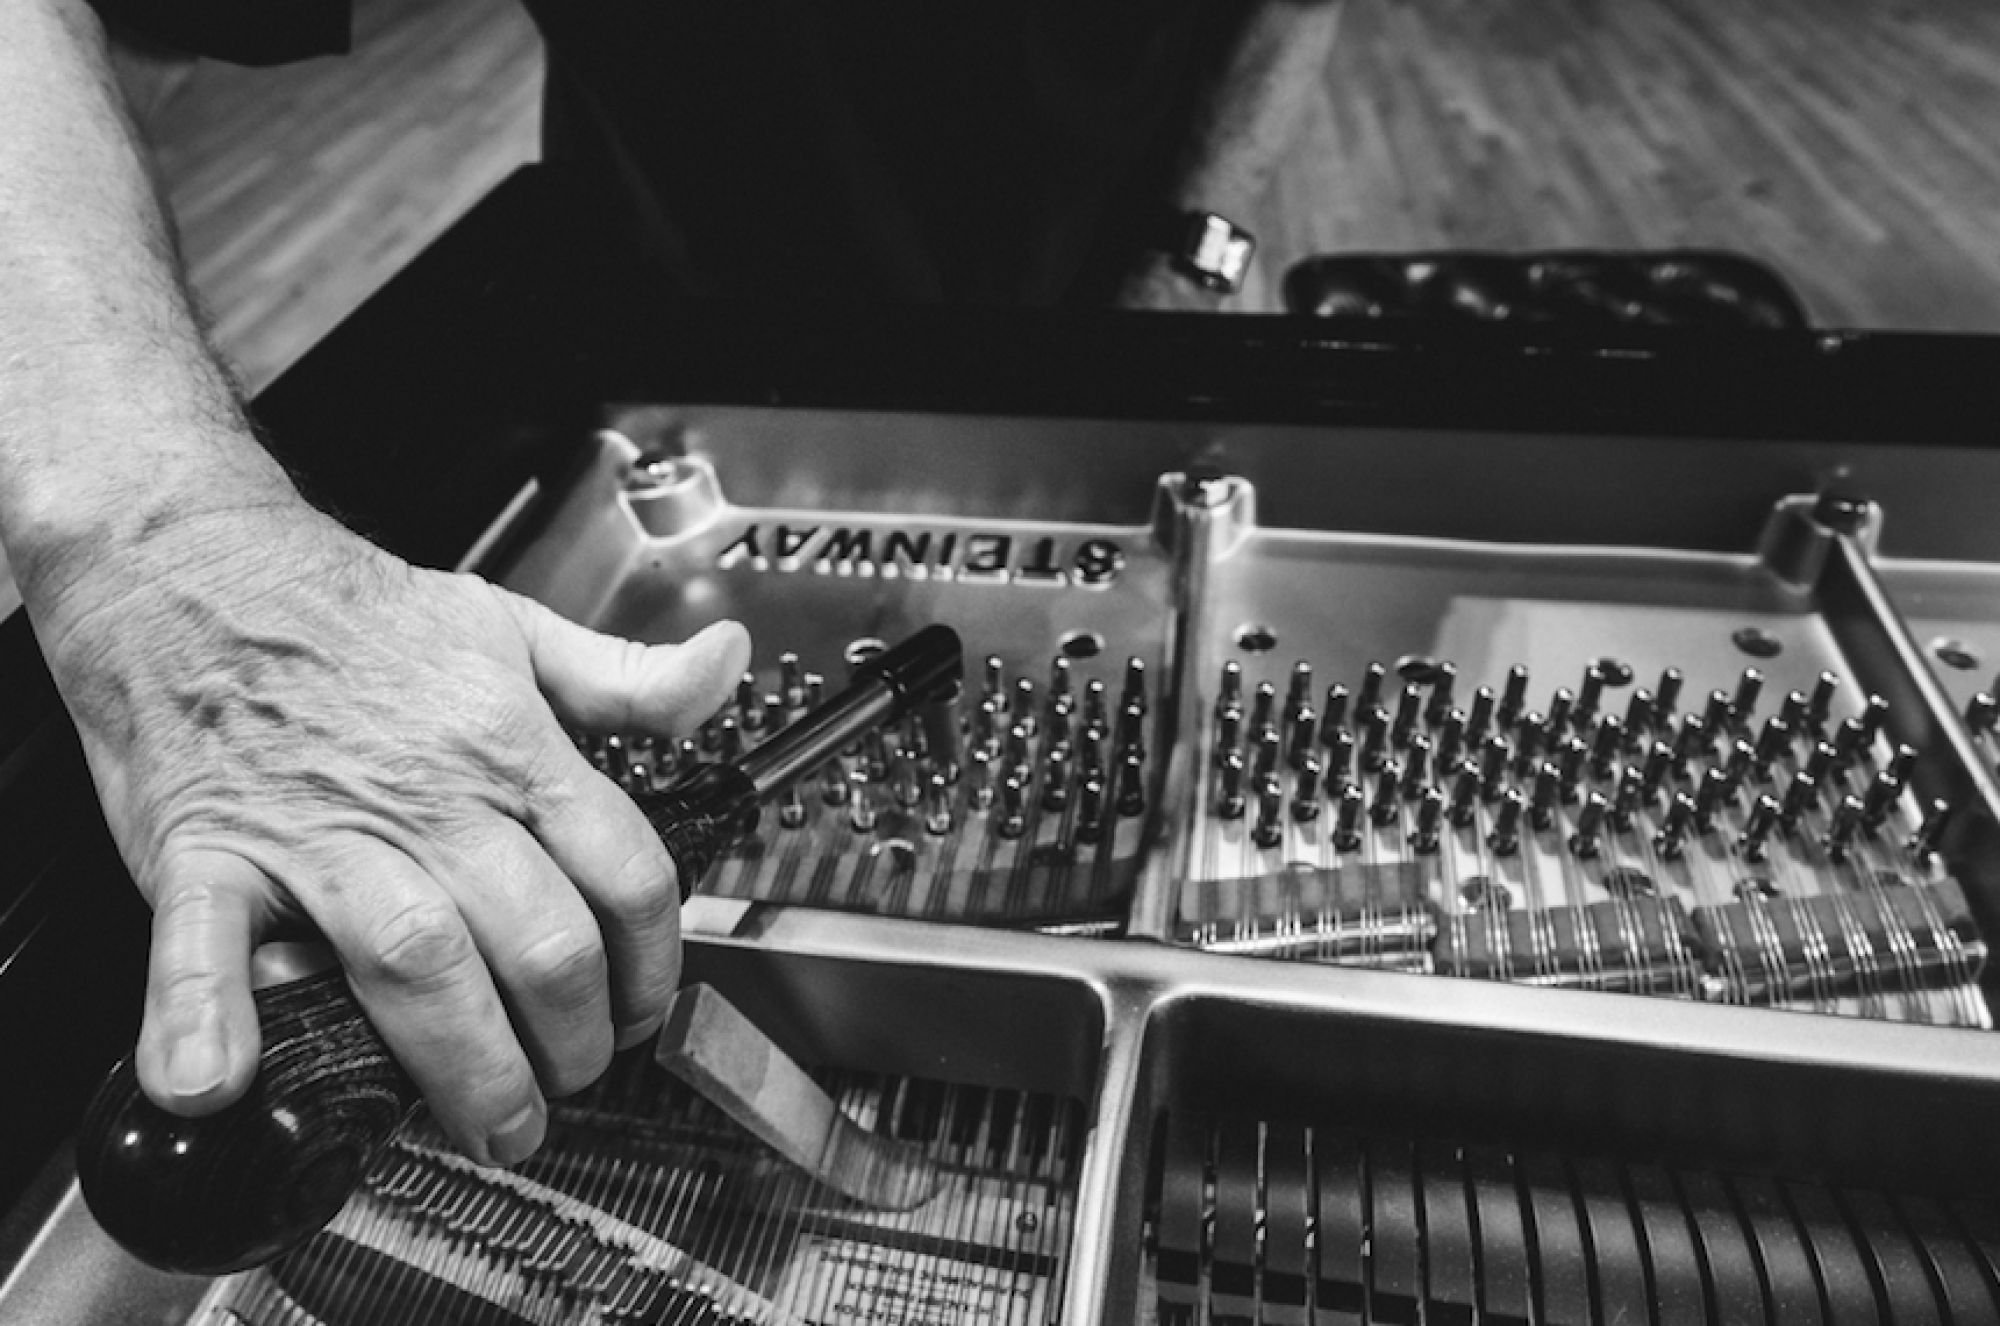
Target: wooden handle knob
[235,1189]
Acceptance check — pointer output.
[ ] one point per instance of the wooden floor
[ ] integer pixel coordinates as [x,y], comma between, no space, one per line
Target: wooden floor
[1852,143]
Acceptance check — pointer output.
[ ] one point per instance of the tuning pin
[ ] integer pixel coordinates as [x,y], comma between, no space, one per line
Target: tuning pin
[1430,811]
[1873,715]
[1492,768]
[1589,827]
[1846,823]
[1062,679]
[1229,800]
[1561,705]
[1269,830]
[995,687]
[1672,837]
[1347,819]
[1018,749]
[1512,697]
[1755,841]
[1055,778]
[1774,741]
[1228,733]
[1742,759]
[1132,785]
[1229,694]
[1061,729]
[1546,797]
[791,809]
[1820,707]
[1264,707]
[1305,794]
[1528,734]
[1299,696]
[1605,744]
[1710,798]
[1464,797]
[1096,715]
[1903,763]
[1480,717]
[1133,696]
[1570,758]
[1090,807]
[1443,681]
[1409,714]
[937,808]
[1792,713]
[1716,717]
[875,756]
[1630,795]
[1302,726]
[791,682]
[1799,798]
[1265,749]
[1742,705]
[1690,743]
[1925,841]
[1022,710]
[1339,760]
[1881,798]
[1450,741]
[1849,741]
[860,806]
[1374,739]
[1370,694]
[1386,808]
[1336,712]
[1132,730]
[1982,714]
[1013,820]
[1589,695]
[1639,718]
[1659,763]
[987,726]
[1416,766]
[728,741]
[749,704]
[1821,764]
[1505,837]
[1667,695]
[907,786]
[979,779]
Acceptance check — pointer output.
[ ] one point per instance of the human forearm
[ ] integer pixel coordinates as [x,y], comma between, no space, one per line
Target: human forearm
[290,730]
[115,420]
[1246,116]
[1251,109]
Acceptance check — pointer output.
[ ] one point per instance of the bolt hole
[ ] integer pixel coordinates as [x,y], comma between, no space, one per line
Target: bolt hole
[860,651]
[1758,642]
[1419,669]
[1256,639]
[1615,671]
[1955,654]
[1081,644]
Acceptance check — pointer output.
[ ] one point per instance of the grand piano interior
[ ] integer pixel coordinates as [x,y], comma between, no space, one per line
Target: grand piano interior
[1442,827]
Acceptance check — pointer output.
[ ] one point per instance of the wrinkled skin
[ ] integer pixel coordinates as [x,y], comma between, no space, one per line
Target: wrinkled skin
[293,730]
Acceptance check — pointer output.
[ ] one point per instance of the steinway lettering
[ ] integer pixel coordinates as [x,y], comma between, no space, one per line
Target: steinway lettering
[975,557]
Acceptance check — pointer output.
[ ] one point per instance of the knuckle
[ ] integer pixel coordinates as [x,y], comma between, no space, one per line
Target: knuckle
[421,946]
[565,970]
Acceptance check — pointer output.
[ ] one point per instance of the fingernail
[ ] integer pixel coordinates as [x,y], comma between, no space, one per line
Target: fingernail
[196,1065]
[518,1138]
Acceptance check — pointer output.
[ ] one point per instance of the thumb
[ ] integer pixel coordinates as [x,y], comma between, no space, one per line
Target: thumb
[199,1043]
[611,685]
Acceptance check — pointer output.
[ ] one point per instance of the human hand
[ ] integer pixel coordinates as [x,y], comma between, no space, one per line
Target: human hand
[291,729]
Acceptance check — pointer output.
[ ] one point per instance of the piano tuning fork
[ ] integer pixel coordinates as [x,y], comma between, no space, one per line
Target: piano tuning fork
[237,1188]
